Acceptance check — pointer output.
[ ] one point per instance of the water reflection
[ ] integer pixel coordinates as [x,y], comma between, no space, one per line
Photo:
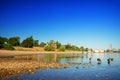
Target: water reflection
[71,59]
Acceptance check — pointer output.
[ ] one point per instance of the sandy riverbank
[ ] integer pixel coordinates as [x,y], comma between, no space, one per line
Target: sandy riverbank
[9,52]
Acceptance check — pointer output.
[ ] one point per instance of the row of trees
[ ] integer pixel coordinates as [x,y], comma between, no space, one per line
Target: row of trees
[29,42]
[8,43]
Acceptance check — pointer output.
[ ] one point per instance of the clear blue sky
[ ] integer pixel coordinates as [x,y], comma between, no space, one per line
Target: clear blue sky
[91,23]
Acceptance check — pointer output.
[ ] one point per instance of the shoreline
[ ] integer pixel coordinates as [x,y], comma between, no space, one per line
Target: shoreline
[14,52]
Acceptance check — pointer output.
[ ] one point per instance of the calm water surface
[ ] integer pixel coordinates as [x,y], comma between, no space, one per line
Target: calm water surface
[81,67]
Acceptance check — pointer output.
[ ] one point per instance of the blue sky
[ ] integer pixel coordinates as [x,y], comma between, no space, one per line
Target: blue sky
[90,23]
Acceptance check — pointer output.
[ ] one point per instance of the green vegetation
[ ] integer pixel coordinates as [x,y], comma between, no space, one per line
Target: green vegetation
[58,45]
[62,48]
[82,49]
[47,48]
[3,40]
[14,41]
[29,42]
[86,49]
[68,46]
[51,46]
[42,44]
[36,43]
[8,47]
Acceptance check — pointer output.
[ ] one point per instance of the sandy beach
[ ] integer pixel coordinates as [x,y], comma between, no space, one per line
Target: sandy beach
[9,52]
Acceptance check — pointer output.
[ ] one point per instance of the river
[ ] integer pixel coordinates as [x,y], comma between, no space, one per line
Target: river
[87,66]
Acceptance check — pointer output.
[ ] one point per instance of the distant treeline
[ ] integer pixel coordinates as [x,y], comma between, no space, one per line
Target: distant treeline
[29,42]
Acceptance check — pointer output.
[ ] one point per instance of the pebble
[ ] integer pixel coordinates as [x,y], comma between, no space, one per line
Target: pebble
[12,67]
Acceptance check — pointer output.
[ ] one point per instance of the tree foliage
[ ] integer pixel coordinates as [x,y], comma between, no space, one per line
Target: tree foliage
[58,44]
[82,49]
[68,46]
[42,44]
[47,48]
[3,40]
[14,41]
[28,42]
[35,43]
[72,47]
[62,48]
[51,46]
[86,49]
[75,48]
[8,47]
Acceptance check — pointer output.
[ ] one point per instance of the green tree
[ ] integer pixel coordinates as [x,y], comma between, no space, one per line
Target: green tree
[91,50]
[58,44]
[3,40]
[73,47]
[62,48]
[28,42]
[86,49]
[8,47]
[35,43]
[82,49]
[52,45]
[68,46]
[14,41]
[77,48]
[42,44]
[47,48]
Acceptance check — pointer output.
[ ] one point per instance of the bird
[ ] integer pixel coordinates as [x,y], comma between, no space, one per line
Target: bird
[111,59]
[108,60]
[99,60]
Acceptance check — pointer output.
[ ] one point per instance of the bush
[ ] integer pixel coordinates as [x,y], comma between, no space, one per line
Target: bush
[8,47]
[47,48]
[62,48]
[1,46]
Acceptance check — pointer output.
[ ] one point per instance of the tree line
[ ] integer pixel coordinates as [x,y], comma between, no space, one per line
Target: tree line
[29,42]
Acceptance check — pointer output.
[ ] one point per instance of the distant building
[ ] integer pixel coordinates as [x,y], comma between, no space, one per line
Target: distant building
[99,51]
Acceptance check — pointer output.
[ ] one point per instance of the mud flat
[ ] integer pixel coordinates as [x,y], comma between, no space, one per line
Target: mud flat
[9,68]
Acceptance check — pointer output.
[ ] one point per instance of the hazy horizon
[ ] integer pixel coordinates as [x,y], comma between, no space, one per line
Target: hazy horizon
[90,23]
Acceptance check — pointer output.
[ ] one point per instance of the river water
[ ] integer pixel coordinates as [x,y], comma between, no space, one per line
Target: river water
[80,67]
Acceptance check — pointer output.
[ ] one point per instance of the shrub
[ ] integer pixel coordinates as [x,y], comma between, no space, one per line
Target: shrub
[1,46]
[62,48]
[47,48]
[8,47]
